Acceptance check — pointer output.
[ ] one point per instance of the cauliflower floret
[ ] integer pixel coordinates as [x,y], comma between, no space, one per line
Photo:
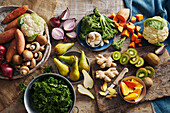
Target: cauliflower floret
[155,35]
[32,26]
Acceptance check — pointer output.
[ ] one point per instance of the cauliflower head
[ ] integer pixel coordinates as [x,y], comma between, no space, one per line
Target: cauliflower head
[32,25]
[155,30]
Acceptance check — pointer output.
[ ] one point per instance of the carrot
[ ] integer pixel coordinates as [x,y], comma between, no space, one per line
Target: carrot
[123,14]
[132,44]
[115,19]
[120,28]
[121,23]
[15,13]
[134,37]
[11,51]
[133,19]
[131,27]
[116,24]
[13,24]
[137,41]
[140,45]
[139,35]
[20,41]
[139,17]
[7,36]
[138,28]
[126,33]
[112,15]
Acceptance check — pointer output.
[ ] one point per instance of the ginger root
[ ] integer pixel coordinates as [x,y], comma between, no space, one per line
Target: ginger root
[107,75]
[105,62]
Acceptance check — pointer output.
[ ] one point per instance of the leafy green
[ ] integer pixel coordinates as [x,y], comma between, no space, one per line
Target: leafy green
[118,45]
[32,38]
[159,44]
[20,20]
[23,88]
[51,96]
[48,69]
[36,18]
[99,23]
[155,24]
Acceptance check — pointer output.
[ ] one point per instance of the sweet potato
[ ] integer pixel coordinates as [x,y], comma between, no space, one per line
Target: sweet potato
[138,28]
[139,35]
[120,28]
[20,41]
[137,41]
[121,23]
[13,24]
[126,33]
[112,15]
[134,37]
[131,27]
[133,19]
[12,50]
[140,45]
[123,14]
[116,24]
[115,19]
[132,44]
[139,17]
[15,13]
[7,36]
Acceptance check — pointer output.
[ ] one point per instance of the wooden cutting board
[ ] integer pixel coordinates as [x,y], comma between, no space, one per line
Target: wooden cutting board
[159,89]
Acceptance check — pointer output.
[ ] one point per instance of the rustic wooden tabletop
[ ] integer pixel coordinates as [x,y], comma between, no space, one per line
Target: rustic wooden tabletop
[78,9]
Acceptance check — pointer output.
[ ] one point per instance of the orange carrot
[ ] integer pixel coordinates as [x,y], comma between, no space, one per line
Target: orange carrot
[134,37]
[116,24]
[139,17]
[138,28]
[137,41]
[132,44]
[140,45]
[7,36]
[121,23]
[133,19]
[126,33]
[112,15]
[139,35]
[123,14]
[131,27]
[15,13]
[120,28]
[13,24]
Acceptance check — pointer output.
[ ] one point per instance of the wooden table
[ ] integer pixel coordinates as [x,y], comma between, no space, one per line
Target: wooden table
[78,9]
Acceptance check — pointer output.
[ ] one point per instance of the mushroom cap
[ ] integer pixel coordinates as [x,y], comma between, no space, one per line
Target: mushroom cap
[35,47]
[33,63]
[41,39]
[38,56]
[17,59]
[28,55]
[24,70]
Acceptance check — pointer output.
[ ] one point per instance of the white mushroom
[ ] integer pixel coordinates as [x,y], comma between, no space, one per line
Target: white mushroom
[24,70]
[35,47]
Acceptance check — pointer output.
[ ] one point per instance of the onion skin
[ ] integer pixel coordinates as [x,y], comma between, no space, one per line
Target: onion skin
[2,53]
[71,35]
[55,22]
[69,24]
[65,14]
[7,71]
[57,33]
[161,50]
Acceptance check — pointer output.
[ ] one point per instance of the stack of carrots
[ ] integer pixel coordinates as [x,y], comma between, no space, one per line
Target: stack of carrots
[129,28]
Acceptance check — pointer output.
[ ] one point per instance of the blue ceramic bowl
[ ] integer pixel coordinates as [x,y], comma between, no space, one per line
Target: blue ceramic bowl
[28,102]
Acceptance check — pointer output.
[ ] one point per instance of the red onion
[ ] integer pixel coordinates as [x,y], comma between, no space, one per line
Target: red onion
[69,24]
[161,50]
[2,53]
[6,70]
[72,34]
[55,22]
[65,14]
[57,33]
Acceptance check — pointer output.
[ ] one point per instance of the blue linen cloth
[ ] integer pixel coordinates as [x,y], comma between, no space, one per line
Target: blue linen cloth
[150,8]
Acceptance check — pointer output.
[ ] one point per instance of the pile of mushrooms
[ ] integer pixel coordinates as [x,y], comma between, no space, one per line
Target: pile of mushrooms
[30,56]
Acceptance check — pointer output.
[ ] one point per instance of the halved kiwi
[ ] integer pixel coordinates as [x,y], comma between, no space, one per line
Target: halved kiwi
[134,60]
[140,62]
[126,53]
[150,71]
[116,55]
[132,52]
[124,59]
[141,73]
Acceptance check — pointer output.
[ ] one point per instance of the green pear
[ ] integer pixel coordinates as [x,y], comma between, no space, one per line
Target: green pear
[62,68]
[75,74]
[88,81]
[83,64]
[62,48]
[67,59]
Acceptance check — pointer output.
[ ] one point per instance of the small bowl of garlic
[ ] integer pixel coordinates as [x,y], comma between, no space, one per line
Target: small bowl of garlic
[94,39]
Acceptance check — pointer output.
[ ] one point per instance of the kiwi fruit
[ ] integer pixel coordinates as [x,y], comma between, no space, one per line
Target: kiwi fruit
[141,73]
[152,59]
[116,55]
[126,53]
[134,60]
[132,52]
[148,82]
[150,70]
[124,59]
[140,62]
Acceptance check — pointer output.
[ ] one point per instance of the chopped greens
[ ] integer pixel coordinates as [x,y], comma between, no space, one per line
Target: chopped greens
[99,23]
[118,45]
[48,69]
[51,96]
